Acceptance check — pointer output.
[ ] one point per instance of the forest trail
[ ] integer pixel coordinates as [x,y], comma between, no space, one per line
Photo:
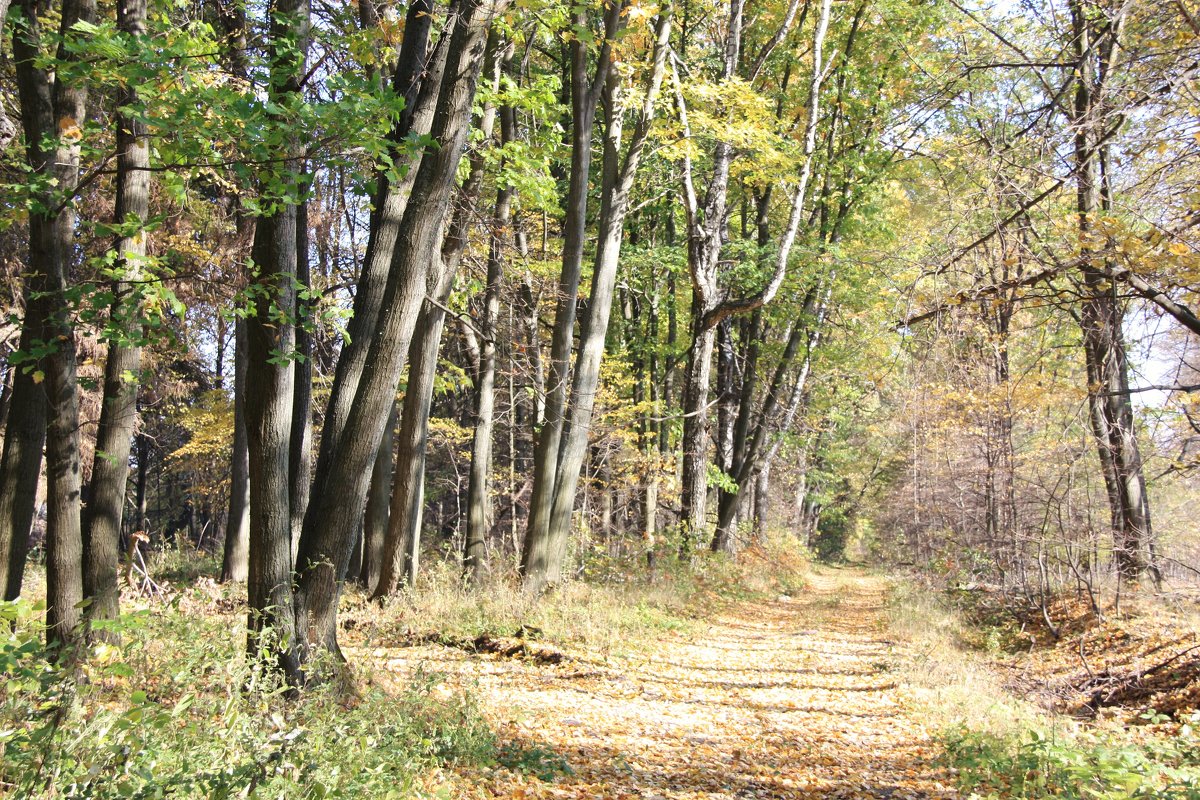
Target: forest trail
[795,698]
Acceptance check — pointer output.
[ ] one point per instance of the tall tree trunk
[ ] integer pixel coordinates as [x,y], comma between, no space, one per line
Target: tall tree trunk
[1101,314]
[25,425]
[402,545]
[234,562]
[479,503]
[542,558]
[53,109]
[118,414]
[270,375]
[375,521]
[706,233]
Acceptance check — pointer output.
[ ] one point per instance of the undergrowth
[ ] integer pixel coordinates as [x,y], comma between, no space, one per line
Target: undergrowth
[177,708]
[604,611]
[1000,745]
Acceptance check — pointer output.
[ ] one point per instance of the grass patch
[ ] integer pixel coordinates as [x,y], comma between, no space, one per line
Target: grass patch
[178,709]
[608,615]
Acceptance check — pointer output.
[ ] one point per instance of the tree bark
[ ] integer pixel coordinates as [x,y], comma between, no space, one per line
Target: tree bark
[375,521]
[118,413]
[53,109]
[545,546]
[540,557]
[342,473]
[270,375]
[1101,315]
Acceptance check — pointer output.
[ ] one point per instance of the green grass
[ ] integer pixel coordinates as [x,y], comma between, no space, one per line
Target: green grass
[177,709]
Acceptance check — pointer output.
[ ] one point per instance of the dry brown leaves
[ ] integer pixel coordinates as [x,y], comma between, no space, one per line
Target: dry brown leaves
[789,699]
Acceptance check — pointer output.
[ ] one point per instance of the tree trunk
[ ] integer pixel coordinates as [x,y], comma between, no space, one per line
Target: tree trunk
[21,463]
[540,559]
[53,110]
[118,414]
[270,374]
[375,522]
[234,562]
[300,452]
[479,504]
[545,543]
[1101,315]
[342,473]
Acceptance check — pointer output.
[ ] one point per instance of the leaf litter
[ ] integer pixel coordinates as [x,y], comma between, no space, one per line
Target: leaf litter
[792,698]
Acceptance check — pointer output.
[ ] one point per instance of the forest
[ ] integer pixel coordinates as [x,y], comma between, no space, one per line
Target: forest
[617,398]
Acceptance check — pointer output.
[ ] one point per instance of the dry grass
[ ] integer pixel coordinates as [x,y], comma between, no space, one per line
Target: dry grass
[623,612]
[959,683]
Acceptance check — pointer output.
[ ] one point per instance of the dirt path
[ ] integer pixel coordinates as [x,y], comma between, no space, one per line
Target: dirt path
[788,699]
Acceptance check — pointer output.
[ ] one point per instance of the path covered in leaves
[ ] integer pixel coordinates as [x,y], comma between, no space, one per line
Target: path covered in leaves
[794,698]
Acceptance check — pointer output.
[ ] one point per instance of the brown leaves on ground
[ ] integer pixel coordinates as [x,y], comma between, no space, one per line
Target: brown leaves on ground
[1144,657]
[785,699]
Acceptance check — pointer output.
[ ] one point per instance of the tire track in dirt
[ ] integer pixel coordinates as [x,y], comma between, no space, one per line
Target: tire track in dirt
[794,698]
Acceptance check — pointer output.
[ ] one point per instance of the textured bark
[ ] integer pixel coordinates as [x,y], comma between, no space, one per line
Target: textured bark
[402,546]
[24,427]
[21,462]
[118,413]
[300,453]
[234,563]
[417,79]
[375,521]
[270,375]
[53,110]
[343,466]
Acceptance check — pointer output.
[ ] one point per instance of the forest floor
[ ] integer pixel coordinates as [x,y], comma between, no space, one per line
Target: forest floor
[797,697]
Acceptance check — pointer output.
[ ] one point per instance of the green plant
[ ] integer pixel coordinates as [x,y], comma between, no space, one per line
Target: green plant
[178,709]
[1089,765]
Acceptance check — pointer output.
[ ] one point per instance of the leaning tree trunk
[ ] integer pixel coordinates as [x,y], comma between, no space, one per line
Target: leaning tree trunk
[402,545]
[118,414]
[344,463]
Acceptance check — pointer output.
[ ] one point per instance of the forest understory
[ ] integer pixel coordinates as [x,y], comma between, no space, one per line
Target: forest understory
[775,677]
